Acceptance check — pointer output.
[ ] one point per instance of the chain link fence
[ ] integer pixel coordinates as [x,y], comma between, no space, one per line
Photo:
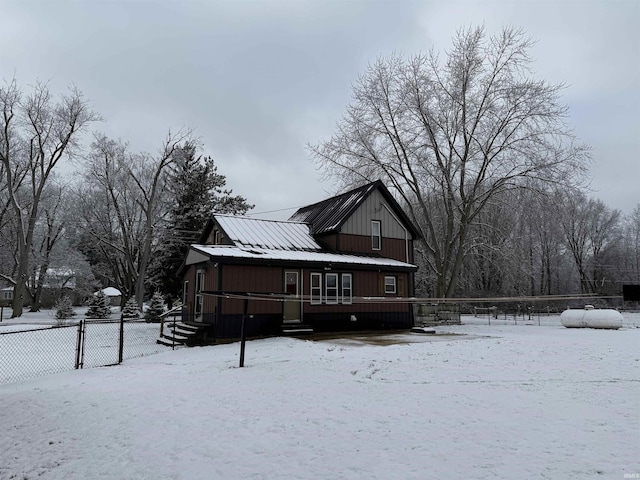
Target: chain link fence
[32,352]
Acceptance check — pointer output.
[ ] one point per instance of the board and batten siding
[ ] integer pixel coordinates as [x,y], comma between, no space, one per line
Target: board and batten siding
[391,247]
[255,279]
[359,223]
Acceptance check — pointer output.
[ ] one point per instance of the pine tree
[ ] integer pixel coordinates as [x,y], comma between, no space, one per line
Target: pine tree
[130,310]
[99,306]
[199,192]
[156,308]
[64,309]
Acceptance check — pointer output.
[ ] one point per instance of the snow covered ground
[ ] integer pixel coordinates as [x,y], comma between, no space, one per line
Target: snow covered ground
[487,402]
[30,346]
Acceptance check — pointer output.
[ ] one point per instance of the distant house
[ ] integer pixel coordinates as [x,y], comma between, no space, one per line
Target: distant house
[113,294]
[340,264]
[6,295]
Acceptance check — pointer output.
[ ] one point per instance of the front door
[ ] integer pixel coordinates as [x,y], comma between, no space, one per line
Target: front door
[292,303]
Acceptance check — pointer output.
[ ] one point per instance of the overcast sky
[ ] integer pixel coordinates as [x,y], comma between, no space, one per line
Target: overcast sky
[259,80]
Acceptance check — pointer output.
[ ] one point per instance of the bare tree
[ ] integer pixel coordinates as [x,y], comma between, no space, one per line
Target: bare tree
[591,229]
[124,203]
[632,243]
[447,137]
[36,132]
[48,231]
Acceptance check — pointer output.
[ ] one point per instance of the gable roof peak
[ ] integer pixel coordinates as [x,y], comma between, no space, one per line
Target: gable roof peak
[330,214]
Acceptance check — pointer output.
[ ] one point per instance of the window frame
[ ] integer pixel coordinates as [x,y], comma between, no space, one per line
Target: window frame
[394,284]
[315,292]
[185,292]
[350,288]
[198,297]
[331,299]
[376,236]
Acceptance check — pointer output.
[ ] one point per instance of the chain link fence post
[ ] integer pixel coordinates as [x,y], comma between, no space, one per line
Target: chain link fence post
[121,340]
[80,345]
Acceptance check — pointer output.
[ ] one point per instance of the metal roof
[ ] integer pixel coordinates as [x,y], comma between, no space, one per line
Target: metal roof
[270,234]
[329,214]
[324,258]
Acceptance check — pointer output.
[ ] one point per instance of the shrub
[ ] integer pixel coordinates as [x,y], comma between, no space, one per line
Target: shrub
[130,310]
[156,308]
[64,309]
[99,306]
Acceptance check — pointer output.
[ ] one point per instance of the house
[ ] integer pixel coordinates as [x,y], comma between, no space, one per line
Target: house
[6,295]
[113,294]
[345,263]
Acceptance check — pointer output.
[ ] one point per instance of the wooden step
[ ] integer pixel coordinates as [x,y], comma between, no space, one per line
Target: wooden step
[296,329]
[169,342]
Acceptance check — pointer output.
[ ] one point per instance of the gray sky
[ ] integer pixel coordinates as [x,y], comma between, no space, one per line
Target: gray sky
[258,80]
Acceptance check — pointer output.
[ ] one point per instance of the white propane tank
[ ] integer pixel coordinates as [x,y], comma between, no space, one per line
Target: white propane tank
[591,318]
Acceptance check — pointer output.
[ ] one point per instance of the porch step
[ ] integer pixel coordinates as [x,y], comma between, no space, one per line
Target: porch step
[179,333]
[296,329]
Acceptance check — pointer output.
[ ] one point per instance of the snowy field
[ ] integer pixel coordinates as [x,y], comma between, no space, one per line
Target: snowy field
[485,402]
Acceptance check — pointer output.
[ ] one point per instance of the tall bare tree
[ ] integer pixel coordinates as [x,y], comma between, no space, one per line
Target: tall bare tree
[632,244]
[448,136]
[36,132]
[124,202]
[591,229]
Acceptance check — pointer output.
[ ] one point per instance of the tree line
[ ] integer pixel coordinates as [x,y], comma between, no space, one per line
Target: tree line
[123,219]
[479,152]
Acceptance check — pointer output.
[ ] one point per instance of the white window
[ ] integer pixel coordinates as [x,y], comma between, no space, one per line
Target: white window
[390,285]
[316,288]
[331,288]
[376,236]
[347,292]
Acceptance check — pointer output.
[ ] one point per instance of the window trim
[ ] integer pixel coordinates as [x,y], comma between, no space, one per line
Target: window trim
[376,236]
[333,298]
[347,300]
[198,297]
[315,298]
[394,284]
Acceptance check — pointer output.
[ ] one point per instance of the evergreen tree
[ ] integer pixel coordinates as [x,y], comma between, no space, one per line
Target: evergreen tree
[199,192]
[99,306]
[64,309]
[156,308]
[130,310]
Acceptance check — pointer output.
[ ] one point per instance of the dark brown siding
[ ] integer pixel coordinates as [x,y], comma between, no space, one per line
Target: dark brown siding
[255,279]
[329,242]
[391,247]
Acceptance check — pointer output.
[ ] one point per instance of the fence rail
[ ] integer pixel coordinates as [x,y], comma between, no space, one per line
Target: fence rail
[32,352]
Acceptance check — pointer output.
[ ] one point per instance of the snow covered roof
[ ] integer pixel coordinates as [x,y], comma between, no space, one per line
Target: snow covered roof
[111,292]
[267,255]
[269,234]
